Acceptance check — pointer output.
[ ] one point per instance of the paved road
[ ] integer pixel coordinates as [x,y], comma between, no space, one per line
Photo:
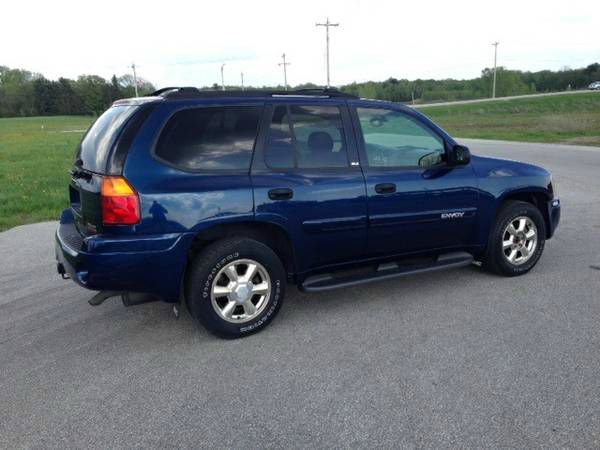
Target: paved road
[454,359]
[510,97]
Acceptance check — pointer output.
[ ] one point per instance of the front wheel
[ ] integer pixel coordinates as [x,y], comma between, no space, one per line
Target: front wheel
[517,239]
[235,287]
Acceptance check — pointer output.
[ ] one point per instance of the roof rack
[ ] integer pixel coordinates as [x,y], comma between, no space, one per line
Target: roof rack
[163,92]
[192,92]
[324,92]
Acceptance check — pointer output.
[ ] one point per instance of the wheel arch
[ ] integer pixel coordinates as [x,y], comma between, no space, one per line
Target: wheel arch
[537,197]
[270,234]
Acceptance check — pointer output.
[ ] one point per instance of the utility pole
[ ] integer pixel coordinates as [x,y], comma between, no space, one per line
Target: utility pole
[284,64]
[495,44]
[222,78]
[134,79]
[327,24]
[242,74]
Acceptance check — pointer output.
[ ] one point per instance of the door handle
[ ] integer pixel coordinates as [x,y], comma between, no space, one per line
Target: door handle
[385,188]
[281,194]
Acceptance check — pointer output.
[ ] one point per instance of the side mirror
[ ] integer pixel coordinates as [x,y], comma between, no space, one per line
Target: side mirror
[459,155]
[430,159]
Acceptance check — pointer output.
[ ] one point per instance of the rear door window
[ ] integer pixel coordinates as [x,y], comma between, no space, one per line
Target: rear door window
[306,137]
[213,138]
[96,144]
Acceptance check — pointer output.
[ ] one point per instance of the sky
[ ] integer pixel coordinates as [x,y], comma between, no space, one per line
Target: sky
[178,43]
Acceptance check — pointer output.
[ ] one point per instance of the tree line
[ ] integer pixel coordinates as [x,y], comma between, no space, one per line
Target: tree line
[25,93]
[508,82]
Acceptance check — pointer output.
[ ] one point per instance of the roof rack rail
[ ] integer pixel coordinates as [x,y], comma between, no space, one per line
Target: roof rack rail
[328,92]
[166,90]
[192,92]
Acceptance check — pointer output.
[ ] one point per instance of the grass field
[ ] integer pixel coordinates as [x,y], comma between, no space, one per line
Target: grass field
[35,156]
[36,153]
[565,119]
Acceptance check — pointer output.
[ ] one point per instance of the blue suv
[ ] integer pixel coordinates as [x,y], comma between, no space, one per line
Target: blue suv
[219,199]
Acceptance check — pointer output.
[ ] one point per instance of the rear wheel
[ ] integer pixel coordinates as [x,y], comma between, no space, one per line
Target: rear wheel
[235,287]
[517,239]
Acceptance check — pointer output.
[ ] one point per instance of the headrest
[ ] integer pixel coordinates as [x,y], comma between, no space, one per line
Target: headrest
[320,140]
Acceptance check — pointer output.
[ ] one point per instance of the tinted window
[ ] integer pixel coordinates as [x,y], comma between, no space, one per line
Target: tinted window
[306,137]
[210,138]
[394,139]
[97,142]
[280,150]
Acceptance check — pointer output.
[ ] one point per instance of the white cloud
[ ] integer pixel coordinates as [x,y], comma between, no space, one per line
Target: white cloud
[184,43]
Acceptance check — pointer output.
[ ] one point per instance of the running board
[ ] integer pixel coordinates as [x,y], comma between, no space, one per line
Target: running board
[385,271]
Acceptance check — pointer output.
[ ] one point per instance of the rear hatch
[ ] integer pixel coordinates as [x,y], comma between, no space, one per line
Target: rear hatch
[94,160]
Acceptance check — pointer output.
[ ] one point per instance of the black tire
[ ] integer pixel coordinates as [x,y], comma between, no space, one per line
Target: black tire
[495,259]
[207,265]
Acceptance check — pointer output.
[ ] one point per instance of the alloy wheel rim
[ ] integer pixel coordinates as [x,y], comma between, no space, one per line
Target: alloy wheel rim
[519,240]
[240,291]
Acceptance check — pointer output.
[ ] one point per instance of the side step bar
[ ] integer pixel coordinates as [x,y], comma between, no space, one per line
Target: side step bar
[328,281]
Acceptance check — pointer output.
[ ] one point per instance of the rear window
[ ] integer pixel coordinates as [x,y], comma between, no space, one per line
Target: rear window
[96,144]
[215,138]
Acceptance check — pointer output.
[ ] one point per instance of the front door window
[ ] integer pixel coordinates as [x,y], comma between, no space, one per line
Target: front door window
[394,139]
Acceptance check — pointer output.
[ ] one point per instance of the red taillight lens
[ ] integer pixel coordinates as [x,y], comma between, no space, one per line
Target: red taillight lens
[120,202]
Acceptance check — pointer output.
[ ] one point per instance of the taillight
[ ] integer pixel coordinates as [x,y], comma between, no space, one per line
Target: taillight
[120,202]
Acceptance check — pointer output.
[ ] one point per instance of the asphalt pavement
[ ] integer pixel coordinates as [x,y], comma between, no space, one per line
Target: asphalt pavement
[460,358]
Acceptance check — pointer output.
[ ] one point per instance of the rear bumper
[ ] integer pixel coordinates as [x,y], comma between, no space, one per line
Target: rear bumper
[151,264]
[553,216]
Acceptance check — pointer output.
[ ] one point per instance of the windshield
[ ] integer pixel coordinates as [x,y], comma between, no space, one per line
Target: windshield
[97,142]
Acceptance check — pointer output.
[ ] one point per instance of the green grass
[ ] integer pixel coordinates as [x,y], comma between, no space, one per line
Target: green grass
[565,119]
[35,156]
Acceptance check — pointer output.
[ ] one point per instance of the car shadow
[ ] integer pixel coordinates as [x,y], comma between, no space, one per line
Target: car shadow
[303,309]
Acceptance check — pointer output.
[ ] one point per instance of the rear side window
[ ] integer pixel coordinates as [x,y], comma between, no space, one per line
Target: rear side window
[306,137]
[210,138]
[96,144]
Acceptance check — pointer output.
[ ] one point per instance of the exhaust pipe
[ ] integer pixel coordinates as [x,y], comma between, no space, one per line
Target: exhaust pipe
[128,298]
[101,296]
[137,298]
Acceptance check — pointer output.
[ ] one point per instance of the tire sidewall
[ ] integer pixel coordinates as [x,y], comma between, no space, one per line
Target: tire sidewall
[507,216]
[203,276]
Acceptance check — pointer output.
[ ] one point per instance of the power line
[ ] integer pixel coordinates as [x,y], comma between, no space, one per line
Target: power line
[495,44]
[284,64]
[327,24]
